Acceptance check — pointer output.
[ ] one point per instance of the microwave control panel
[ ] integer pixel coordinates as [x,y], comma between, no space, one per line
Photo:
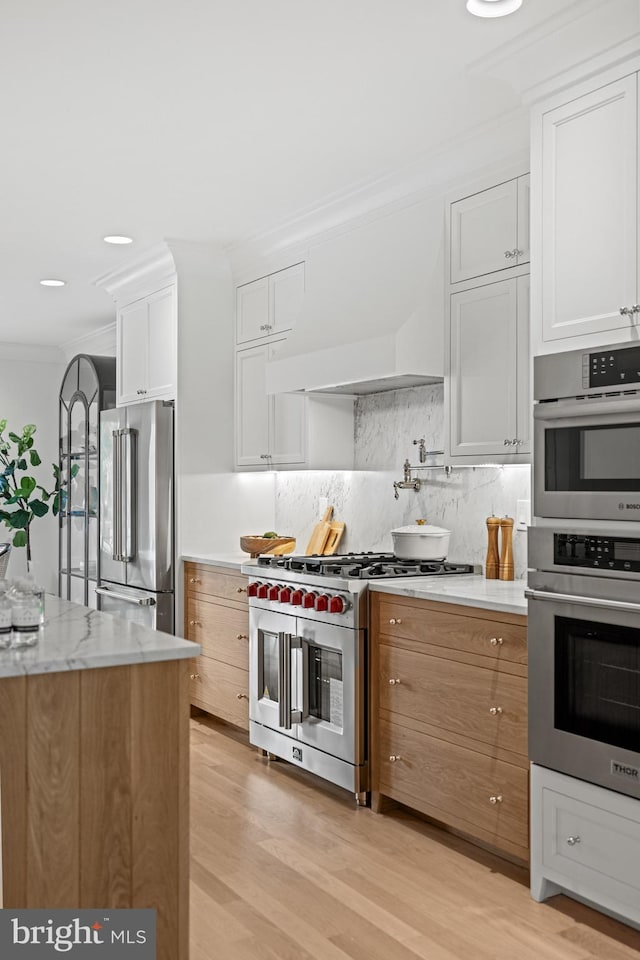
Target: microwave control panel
[607,553]
[611,368]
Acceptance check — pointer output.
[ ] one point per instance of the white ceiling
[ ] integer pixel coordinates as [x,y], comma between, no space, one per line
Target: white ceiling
[211,120]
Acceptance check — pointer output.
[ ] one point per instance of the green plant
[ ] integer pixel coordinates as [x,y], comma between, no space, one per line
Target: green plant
[24,498]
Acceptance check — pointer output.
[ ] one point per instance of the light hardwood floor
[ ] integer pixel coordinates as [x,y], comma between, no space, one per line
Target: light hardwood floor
[286,867]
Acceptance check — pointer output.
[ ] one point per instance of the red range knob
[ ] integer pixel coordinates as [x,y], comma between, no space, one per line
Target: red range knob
[309,600]
[285,595]
[336,605]
[322,603]
[252,589]
[274,592]
[263,590]
[296,597]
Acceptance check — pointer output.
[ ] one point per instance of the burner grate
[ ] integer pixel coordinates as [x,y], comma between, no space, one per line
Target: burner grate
[364,566]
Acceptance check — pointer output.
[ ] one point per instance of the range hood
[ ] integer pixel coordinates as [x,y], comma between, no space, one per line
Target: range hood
[372,317]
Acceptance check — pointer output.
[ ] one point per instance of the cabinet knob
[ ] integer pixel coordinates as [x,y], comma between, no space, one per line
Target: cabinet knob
[627,311]
[241,589]
[507,443]
[496,799]
[194,623]
[495,711]
[195,676]
[194,579]
[241,696]
[394,757]
[518,253]
[242,636]
[394,680]
[265,456]
[395,620]
[572,841]
[265,326]
[496,641]
[508,254]
[636,308]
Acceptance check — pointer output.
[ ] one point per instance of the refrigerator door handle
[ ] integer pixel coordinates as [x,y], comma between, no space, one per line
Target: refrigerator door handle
[139,601]
[117,497]
[128,495]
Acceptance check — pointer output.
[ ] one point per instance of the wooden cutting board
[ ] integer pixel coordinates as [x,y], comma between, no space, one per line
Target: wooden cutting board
[320,534]
[336,529]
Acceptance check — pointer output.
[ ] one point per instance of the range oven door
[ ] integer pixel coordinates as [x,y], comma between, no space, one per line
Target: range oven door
[270,682]
[587,459]
[584,679]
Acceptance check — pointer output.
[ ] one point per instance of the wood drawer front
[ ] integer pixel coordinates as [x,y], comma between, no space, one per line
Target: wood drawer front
[222,631]
[221,690]
[470,634]
[602,861]
[213,583]
[455,781]
[456,697]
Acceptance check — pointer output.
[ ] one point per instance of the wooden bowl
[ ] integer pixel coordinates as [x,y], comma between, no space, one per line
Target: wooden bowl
[272,545]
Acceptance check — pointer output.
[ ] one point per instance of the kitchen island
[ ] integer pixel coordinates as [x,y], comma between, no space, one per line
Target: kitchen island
[94,769]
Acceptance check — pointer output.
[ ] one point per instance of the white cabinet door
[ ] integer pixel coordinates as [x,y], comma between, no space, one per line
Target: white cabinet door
[287,425]
[132,340]
[524,400]
[162,347]
[524,207]
[252,311]
[483,370]
[484,232]
[252,407]
[589,212]
[286,294]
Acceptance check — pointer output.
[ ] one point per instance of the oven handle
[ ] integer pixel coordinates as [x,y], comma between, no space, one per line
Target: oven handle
[584,601]
[286,716]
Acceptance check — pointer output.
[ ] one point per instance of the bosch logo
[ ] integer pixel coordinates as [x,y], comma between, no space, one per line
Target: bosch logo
[633,506]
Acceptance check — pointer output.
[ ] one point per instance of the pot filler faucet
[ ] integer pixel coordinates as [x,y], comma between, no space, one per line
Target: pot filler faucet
[415,483]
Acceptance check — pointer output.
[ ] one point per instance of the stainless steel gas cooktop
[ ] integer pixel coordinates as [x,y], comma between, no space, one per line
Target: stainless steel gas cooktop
[362,566]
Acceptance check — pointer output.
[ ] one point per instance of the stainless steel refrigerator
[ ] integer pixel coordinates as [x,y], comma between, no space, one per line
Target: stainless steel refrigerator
[136,514]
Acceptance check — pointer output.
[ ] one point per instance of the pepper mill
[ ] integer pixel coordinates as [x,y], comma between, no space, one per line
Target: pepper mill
[506,548]
[491,568]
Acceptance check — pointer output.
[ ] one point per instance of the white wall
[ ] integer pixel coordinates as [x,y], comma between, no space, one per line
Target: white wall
[29,386]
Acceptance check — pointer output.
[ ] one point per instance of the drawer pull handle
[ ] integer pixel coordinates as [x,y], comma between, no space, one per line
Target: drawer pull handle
[394,680]
[194,579]
[241,696]
[572,841]
[495,711]
[496,799]
[241,590]
[242,636]
[394,757]
[496,641]
[395,620]
[194,623]
[195,676]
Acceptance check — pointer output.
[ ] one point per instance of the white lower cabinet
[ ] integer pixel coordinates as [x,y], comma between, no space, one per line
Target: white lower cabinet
[585,841]
[488,387]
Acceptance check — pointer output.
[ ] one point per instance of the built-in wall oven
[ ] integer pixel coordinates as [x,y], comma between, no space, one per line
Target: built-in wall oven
[587,434]
[584,653]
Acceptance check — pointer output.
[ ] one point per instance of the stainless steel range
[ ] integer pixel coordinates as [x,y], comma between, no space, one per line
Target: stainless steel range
[308,624]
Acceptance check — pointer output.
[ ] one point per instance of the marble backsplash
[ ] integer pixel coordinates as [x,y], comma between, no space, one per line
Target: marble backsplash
[385,426]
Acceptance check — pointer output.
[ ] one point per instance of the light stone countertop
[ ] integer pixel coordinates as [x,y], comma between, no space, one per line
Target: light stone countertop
[505,596]
[232,561]
[76,638]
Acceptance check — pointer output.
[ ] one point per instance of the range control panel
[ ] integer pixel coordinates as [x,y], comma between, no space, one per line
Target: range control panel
[620,368]
[607,553]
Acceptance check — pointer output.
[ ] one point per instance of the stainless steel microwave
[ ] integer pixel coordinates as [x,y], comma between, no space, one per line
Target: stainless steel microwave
[587,434]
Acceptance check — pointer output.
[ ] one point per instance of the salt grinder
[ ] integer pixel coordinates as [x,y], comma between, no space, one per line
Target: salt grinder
[506,548]
[491,569]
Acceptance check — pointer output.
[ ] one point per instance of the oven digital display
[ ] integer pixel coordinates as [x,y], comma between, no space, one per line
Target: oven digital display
[605,553]
[614,368]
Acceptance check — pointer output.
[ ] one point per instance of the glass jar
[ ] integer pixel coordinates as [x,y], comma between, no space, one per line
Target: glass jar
[5,617]
[25,617]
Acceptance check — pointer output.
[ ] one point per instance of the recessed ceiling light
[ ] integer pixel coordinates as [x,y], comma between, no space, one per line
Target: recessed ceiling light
[53,283]
[117,239]
[493,8]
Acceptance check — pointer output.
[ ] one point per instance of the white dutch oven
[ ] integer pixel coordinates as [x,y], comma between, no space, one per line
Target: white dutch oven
[421,541]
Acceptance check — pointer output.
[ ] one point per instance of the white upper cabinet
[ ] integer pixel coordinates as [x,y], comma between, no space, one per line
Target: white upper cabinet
[586,154]
[147,348]
[269,306]
[489,230]
[489,398]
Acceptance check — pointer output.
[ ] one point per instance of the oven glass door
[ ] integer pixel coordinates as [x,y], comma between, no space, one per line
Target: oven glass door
[588,463]
[331,692]
[584,689]
[267,631]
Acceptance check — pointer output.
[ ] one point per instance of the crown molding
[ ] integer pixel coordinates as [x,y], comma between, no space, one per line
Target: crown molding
[100,342]
[31,353]
[139,275]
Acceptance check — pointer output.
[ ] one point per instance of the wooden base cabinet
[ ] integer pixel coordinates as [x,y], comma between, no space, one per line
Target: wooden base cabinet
[449,717]
[217,617]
